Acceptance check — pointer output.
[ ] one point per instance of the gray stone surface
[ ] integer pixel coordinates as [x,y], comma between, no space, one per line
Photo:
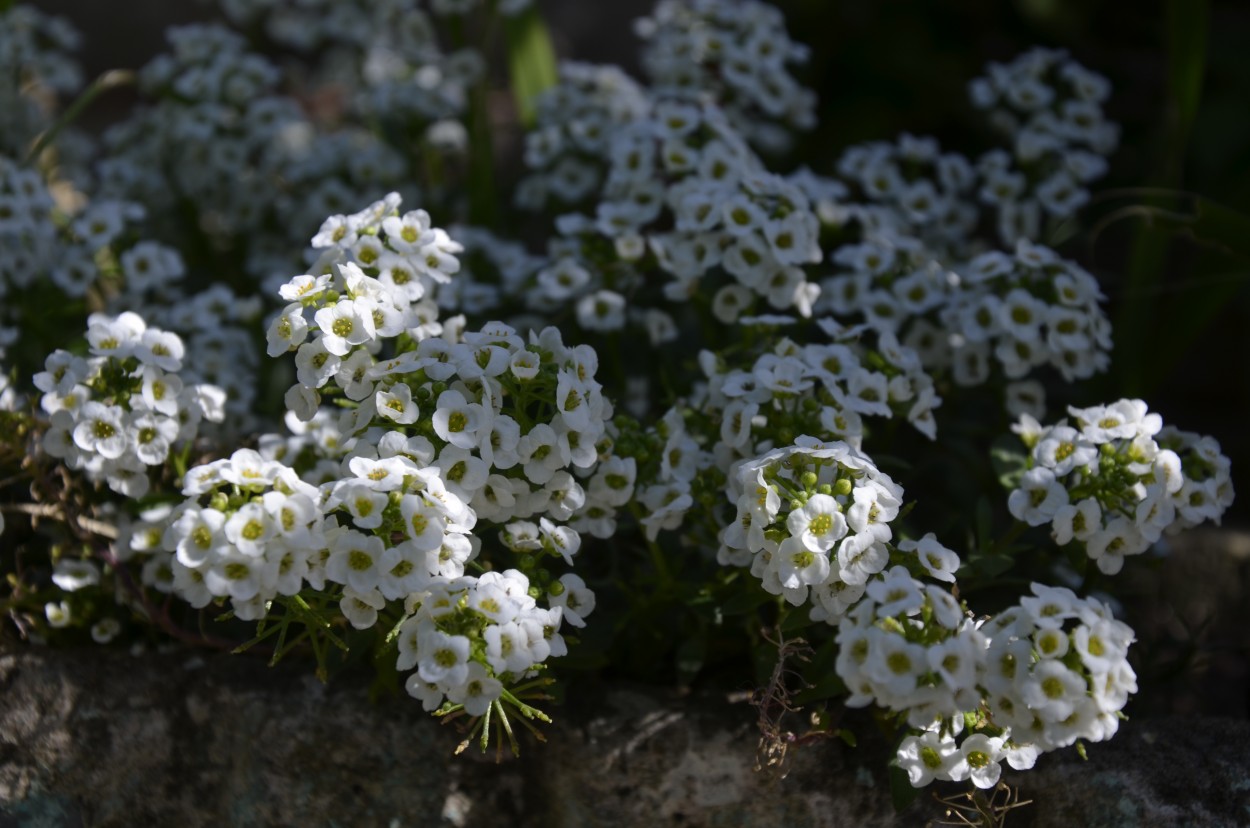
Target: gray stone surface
[102,738]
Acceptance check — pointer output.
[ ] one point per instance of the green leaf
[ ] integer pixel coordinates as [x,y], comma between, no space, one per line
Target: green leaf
[902,794]
[990,566]
[531,61]
[849,737]
[752,598]
[985,524]
[1186,25]
[1010,460]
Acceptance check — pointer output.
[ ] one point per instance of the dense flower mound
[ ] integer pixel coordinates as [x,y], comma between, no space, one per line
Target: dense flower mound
[124,408]
[813,523]
[1115,480]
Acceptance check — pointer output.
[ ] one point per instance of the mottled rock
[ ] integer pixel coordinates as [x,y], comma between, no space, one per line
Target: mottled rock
[102,738]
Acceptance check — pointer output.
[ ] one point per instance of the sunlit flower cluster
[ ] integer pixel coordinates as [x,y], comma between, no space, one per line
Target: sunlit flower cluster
[1114,480]
[124,408]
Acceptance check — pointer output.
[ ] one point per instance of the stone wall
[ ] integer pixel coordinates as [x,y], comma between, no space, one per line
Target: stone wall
[101,738]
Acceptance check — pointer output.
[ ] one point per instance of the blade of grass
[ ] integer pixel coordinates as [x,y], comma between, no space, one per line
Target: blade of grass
[531,61]
[111,79]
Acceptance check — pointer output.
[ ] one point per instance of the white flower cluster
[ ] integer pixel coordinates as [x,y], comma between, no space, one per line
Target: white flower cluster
[449,435]
[684,196]
[888,279]
[736,52]
[1022,311]
[35,64]
[471,637]
[813,523]
[926,191]
[208,137]
[1051,109]
[219,140]
[1057,669]
[250,529]
[116,413]
[797,389]
[909,647]
[1114,480]
[35,244]
[568,147]
[1035,678]
[1015,311]
[387,52]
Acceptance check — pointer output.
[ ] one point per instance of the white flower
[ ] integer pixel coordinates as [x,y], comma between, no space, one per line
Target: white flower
[365,504]
[1039,497]
[603,310]
[73,575]
[819,524]
[105,630]
[195,535]
[1062,449]
[507,648]
[314,364]
[443,658]
[234,575]
[287,331]
[797,565]
[927,757]
[160,391]
[1052,690]
[152,435]
[358,560]
[361,608]
[978,760]
[560,540]
[58,614]
[100,430]
[477,691]
[250,529]
[160,348]
[940,562]
[574,598]
[349,322]
[396,404]
[458,421]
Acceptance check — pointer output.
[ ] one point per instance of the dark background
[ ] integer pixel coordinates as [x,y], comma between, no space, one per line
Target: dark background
[1180,307]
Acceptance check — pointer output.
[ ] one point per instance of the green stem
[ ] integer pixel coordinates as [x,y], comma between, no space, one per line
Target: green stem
[109,80]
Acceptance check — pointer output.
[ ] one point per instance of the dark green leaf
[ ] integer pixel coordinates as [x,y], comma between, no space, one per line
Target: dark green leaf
[1010,460]
[902,794]
[751,598]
